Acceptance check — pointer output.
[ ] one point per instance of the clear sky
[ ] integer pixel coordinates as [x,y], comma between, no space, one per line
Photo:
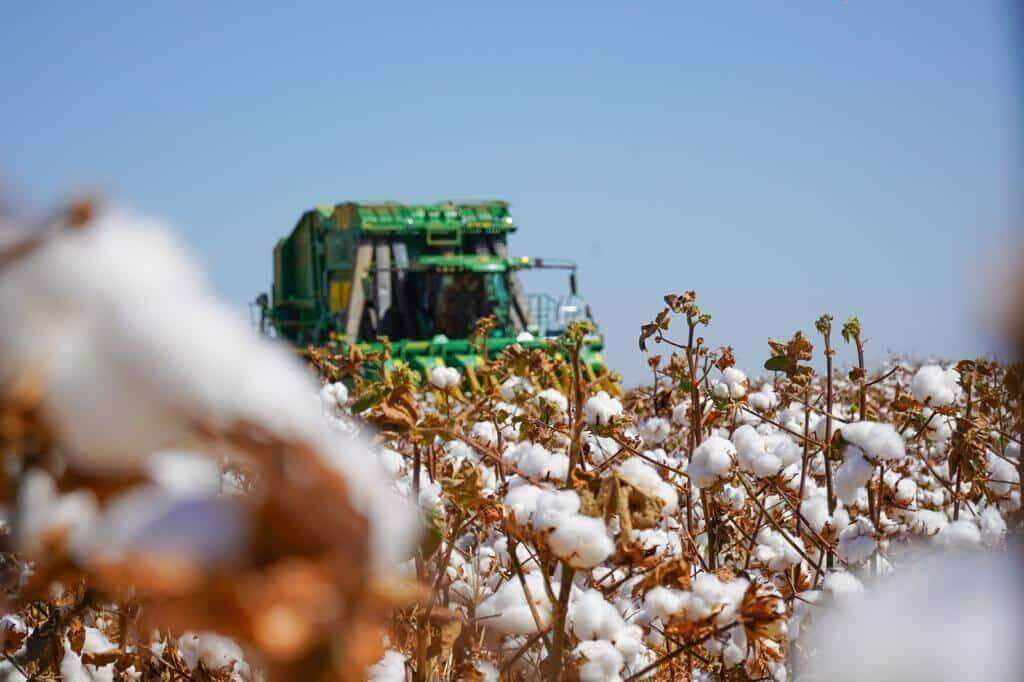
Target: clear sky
[783,158]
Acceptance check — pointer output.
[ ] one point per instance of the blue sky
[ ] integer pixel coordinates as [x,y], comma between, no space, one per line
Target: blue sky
[784,159]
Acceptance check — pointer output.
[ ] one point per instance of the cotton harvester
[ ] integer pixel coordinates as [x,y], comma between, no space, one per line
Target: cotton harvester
[420,275]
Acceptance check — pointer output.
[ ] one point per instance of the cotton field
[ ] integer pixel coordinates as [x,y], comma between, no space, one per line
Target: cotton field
[184,500]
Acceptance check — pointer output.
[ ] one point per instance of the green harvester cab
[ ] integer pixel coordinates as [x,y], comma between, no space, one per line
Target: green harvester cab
[420,275]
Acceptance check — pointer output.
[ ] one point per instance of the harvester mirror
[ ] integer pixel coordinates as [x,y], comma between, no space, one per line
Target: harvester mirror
[572,283]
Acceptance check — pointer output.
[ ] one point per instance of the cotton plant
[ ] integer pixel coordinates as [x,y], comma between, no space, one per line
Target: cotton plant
[538,521]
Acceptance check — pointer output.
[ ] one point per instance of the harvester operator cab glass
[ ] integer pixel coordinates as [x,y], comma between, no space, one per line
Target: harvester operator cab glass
[461,302]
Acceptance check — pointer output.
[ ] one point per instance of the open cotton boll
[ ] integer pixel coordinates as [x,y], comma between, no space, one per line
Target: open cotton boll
[97,304]
[601,408]
[390,668]
[713,596]
[182,473]
[1004,476]
[764,399]
[592,617]
[733,384]
[214,651]
[992,526]
[43,512]
[521,500]
[928,522]
[774,550]
[582,541]
[962,534]
[852,474]
[879,441]
[602,662]
[536,461]
[333,397]
[733,497]
[553,399]
[711,461]
[655,430]
[939,428]
[507,610]
[658,542]
[445,377]
[513,387]
[553,506]
[763,455]
[951,619]
[207,530]
[601,447]
[391,461]
[485,432]
[856,542]
[645,478]
[663,602]
[936,386]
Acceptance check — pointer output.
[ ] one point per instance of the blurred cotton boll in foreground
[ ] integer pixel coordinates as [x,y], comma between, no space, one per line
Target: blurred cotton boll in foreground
[949,618]
[130,353]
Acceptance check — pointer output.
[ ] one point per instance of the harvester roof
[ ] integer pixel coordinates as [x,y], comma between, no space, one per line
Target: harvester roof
[387,217]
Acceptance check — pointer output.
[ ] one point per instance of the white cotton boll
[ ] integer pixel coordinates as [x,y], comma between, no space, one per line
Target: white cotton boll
[936,386]
[1003,475]
[645,478]
[856,542]
[655,430]
[906,490]
[762,455]
[485,432]
[592,617]
[711,461]
[12,629]
[390,668]
[602,661]
[939,428]
[42,510]
[445,377]
[680,413]
[880,441]
[554,399]
[733,497]
[553,506]
[524,336]
[333,397]
[391,461]
[582,541]
[99,303]
[774,550]
[186,474]
[430,493]
[521,500]
[513,386]
[992,525]
[214,651]
[601,408]
[928,522]
[950,619]
[601,447]
[536,461]
[663,602]
[764,399]
[507,610]
[658,541]
[733,384]
[814,511]
[852,474]
[962,534]
[844,587]
[710,595]
[208,530]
